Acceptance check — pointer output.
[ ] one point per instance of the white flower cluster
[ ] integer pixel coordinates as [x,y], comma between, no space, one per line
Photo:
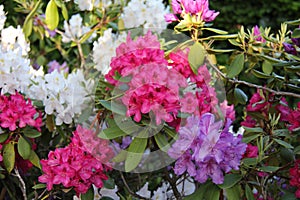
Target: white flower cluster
[105,48]
[74,30]
[2,17]
[65,97]
[146,13]
[87,4]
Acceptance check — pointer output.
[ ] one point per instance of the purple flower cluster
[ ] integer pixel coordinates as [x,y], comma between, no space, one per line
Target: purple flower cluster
[204,150]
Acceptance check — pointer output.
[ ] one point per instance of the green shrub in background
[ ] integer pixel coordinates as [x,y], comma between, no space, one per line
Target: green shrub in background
[234,13]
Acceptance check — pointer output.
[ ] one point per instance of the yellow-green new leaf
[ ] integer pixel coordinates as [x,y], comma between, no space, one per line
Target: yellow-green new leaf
[196,56]
[9,156]
[52,16]
[34,159]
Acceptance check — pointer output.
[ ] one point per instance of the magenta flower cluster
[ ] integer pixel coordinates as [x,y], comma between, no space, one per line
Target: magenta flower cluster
[197,8]
[205,150]
[17,112]
[154,84]
[78,165]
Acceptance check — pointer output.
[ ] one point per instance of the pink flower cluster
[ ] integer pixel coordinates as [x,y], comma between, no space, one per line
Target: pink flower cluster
[17,112]
[78,165]
[295,177]
[261,102]
[198,8]
[155,84]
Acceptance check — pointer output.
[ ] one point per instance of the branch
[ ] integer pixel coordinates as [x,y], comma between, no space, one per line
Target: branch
[22,183]
[129,190]
[235,81]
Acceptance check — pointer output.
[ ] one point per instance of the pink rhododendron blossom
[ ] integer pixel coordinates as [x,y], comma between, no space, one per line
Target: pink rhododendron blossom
[75,165]
[15,111]
[227,110]
[205,151]
[251,151]
[295,177]
[258,103]
[197,8]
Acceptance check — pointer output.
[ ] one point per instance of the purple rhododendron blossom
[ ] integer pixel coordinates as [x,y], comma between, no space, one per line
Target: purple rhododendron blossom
[205,150]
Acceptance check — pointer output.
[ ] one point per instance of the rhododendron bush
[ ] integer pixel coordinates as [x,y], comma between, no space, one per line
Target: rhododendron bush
[145,99]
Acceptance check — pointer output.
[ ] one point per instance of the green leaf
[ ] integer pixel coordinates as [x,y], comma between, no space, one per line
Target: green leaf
[50,123]
[234,42]
[267,67]
[34,159]
[52,17]
[253,130]
[297,150]
[240,96]
[236,66]
[215,30]
[135,152]
[249,193]
[293,22]
[250,161]
[31,132]
[259,74]
[27,27]
[230,180]
[9,156]
[222,37]
[250,138]
[283,143]
[121,25]
[64,12]
[281,132]
[233,193]
[3,137]
[207,191]
[162,142]
[111,133]
[39,186]
[269,169]
[296,33]
[89,195]
[114,107]
[196,56]
[24,148]
[292,68]
[120,157]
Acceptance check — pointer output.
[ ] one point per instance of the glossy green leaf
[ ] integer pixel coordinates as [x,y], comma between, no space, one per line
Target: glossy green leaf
[269,168]
[250,161]
[52,16]
[296,33]
[293,22]
[162,141]
[89,195]
[34,159]
[39,186]
[236,66]
[120,157]
[3,137]
[215,30]
[64,12]
[50,123]
[292,68]
[31,132]
[253,129]
[248,139]
[259,74]
[234,42]
[135,152]
[9,156]
[111,133]
[283,143]
[249,193]
[267,67]
[114,107]
[27,28]
[222,37]
[196,56]
[230,180]
[240,96]
[234,193]
[24,148]
[207,191]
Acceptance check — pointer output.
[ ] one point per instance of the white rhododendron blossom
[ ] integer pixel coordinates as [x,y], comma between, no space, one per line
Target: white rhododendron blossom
[14,71]
[141,13]
[87,4]
[2,17]
[14,39]
[74,30]
[65,97]
[105,48]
